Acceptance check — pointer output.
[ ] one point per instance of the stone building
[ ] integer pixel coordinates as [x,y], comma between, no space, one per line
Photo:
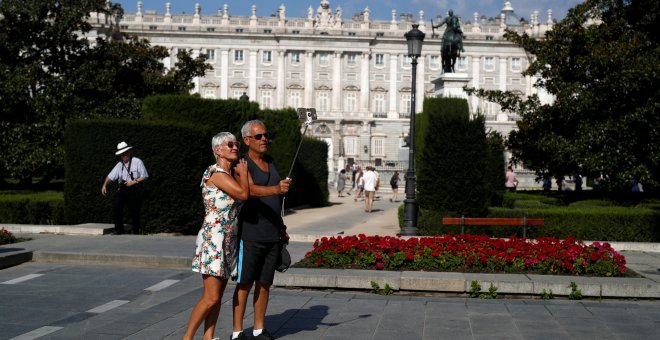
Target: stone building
[353,69]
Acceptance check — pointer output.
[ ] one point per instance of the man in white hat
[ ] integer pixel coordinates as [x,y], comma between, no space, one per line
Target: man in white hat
[128,174]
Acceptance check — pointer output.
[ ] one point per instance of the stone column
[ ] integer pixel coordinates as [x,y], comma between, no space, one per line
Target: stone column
[476,75]
[393,112]
[503,73]
[281,80]
[309,79]
[421,81]
[252,76]
[364,85]
[224,74]
[336,84]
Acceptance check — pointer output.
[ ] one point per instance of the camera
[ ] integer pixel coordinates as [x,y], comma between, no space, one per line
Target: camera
[307,114]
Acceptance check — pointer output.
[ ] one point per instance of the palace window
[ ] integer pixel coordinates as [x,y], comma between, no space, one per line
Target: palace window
[322,101]
[324,59]
[210,54]
[379,103]
[380,59]
[461,63]
[351,100]
[295,57]
[294,99]
[405,103]
[489,63]
[351,59]
[266,99]
[238,55]
[515,64]
[350,146]
[377,146]
[435,61]
[267,57]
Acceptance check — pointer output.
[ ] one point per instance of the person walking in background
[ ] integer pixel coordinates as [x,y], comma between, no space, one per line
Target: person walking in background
[350,171]
[341,182]
[215,251]
[370,184]
[511,181]
[261,231]
[359,183]
[128,173]
[394,183]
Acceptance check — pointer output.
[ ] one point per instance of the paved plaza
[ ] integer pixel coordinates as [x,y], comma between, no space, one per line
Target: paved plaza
[140,287]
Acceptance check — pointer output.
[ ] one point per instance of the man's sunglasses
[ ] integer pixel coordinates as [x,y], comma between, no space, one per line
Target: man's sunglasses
[231,145]
[261,135]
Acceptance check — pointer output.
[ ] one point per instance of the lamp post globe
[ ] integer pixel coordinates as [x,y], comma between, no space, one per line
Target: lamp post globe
[415,39]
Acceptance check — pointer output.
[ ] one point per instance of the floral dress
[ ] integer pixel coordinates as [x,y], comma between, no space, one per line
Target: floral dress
[216,244]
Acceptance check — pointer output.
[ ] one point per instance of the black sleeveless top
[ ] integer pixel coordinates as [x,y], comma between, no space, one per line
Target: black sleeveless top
[260,217]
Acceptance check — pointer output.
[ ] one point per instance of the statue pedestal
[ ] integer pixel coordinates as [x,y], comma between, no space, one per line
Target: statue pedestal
[451,85]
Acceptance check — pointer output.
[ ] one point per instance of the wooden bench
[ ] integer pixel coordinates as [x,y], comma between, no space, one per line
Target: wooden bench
[503,221]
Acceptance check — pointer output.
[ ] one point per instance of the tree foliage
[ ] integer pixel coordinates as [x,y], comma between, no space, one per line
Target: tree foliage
[51,71]
[601,65]
[454,166]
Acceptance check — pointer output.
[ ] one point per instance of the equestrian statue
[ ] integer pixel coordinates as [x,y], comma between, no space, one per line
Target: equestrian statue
[452,41]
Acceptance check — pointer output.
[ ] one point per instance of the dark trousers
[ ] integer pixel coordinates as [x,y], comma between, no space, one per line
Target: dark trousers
[127,196]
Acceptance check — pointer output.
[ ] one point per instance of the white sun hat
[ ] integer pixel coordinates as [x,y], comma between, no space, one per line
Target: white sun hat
[122,147]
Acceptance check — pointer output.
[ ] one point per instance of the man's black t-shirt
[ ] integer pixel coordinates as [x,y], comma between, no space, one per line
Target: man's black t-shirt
[260,216]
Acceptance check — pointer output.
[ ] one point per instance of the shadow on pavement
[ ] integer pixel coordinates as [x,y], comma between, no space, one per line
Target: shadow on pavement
[308,319]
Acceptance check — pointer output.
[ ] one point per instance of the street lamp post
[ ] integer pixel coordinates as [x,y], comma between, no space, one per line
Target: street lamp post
[415,38]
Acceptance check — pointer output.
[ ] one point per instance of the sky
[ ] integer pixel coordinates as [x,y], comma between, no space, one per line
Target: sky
[380,9]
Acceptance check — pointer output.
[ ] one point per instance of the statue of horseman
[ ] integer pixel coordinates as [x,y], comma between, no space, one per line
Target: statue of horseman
[452,41]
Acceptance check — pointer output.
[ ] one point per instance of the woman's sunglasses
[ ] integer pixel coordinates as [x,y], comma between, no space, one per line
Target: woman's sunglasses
[231,145]
[261,135]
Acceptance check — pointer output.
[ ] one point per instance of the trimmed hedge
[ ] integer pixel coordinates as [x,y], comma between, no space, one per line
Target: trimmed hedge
[591,223]
[219,115]
[32,208]
[597,223]
[175,156]
[454,169]
[310,179]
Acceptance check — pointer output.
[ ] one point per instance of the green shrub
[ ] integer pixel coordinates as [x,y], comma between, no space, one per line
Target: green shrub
[310,180]
[175,155]
[589,223]
[32,207]
[453,168]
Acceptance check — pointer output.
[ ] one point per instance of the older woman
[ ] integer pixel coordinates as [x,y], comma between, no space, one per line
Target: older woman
[215,254]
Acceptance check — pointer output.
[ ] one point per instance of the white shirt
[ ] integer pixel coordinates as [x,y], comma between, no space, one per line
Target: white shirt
[369,179]
[120,171]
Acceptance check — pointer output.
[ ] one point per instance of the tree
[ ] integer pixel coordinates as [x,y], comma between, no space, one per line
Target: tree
[600,64]
[454,165]
[50,72]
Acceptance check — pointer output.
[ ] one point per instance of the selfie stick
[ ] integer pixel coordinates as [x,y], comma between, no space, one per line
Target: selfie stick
[310,115]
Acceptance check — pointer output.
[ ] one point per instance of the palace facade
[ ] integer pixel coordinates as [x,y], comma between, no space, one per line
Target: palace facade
[354,70]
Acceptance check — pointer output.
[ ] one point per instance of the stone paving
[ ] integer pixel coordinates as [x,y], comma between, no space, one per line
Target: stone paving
[95,286]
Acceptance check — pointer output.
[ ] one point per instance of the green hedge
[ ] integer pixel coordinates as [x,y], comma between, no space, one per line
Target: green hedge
[624,224]
[32,208]
[628,224]
[310,178]
[310,175]
[219,115]
[175,155]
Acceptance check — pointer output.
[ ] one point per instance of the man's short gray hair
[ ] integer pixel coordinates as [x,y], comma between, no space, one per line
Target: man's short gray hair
[245,130]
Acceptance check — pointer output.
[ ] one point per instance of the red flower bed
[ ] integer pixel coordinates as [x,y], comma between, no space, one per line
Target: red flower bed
[467,253]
